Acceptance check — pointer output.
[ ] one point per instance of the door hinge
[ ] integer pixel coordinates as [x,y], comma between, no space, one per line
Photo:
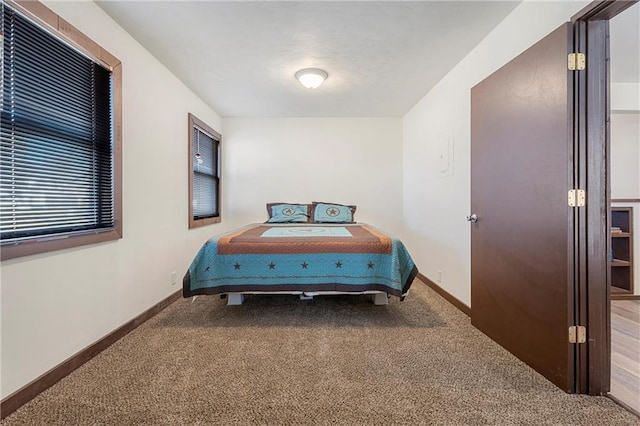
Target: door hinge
[576,61]
[576,198]
[577,334]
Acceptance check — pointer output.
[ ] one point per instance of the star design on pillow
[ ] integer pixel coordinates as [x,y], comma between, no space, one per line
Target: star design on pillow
[272,265]
[370,265]
[304,265]
[333,212]
[338,264]
[237,266]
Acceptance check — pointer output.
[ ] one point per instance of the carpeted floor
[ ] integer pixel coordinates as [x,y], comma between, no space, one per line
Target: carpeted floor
[277,360]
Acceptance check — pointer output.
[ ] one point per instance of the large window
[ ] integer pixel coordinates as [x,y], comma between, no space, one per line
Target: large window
[59,149]
[204,173]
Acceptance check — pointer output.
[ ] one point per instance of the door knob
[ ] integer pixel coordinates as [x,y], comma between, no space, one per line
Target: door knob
[472,218]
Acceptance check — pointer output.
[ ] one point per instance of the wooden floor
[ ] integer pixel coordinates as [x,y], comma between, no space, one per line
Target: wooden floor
[625,352]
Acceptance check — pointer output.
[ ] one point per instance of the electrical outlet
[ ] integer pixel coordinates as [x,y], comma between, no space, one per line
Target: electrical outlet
[439,276]
[173,278]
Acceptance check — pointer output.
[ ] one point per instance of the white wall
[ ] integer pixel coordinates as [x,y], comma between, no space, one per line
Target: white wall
[56,304]
[344,160]
[625,97]
[435,206]
[625,155]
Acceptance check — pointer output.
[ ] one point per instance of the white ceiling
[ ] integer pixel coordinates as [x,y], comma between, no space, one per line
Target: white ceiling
[240,57]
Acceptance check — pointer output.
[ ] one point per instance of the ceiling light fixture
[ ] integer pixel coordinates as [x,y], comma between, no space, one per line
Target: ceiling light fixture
[311,77]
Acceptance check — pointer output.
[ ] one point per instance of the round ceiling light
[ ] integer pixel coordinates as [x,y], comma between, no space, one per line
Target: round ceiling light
[311,77]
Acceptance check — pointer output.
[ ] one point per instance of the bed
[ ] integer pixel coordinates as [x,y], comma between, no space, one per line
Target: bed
[303,259]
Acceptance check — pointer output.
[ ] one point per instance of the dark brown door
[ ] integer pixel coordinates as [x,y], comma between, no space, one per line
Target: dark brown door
[522,289]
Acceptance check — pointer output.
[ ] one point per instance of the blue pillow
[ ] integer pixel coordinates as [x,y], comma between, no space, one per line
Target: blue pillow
[332,213]
[285,213]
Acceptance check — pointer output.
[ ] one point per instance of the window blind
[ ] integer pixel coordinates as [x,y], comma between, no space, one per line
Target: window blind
[56,156]
[205,175]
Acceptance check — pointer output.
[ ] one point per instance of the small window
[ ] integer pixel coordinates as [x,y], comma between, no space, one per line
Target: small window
[204,174]
[59,152]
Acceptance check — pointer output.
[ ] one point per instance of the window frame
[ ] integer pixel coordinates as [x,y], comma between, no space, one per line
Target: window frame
[195,122]
[64,31]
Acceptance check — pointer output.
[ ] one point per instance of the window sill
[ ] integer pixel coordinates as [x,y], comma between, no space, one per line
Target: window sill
[54,243]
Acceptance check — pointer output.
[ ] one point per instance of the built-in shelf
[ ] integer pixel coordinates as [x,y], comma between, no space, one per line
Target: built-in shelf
[620,235]
[617,291]
[618,262]
[622,251]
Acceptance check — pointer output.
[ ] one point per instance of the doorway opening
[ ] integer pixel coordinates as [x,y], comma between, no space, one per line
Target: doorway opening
[624,163]
[608,143]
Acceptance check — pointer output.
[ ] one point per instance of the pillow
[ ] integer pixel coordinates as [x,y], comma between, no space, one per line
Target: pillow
[332,213]
[285,212]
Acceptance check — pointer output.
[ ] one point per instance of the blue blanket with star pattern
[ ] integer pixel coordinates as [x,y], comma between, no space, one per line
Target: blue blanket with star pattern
[301,257]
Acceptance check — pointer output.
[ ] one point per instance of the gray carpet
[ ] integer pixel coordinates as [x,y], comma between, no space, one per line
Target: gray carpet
[277,360]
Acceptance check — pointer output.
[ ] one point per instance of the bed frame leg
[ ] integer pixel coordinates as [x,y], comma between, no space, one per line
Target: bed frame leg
[380,299]
[235,299]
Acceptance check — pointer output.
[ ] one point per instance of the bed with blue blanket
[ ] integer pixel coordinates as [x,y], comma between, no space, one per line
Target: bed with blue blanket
[304,259]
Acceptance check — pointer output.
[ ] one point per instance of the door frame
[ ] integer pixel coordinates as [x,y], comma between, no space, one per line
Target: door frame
[592,144]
